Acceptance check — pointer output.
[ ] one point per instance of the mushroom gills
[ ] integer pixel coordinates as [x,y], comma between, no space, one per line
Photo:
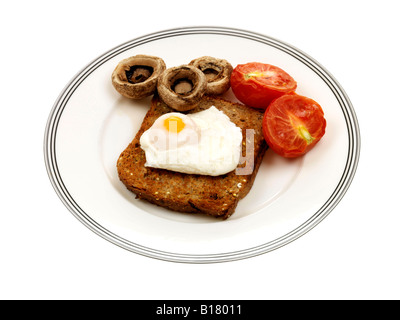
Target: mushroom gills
[211,74]
[182,86]
[138,73]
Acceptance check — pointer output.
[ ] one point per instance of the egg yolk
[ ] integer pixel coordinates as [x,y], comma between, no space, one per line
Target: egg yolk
[174,124]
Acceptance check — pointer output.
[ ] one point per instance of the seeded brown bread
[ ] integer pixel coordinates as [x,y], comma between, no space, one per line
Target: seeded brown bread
[213,195]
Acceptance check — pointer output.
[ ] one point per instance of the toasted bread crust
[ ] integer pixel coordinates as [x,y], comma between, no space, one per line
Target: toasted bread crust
[213,195]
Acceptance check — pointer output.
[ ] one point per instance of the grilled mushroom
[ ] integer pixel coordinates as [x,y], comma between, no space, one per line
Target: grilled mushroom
[136,77]
[182,87]
[217,71]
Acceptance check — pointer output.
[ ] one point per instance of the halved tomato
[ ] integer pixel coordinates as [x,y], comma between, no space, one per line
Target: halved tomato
[293,124]
[256,84]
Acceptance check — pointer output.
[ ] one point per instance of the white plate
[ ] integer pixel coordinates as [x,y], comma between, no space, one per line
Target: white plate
[90,124]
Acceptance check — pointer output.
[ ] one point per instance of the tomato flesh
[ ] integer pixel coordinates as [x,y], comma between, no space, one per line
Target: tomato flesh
[257,84]
[293,124]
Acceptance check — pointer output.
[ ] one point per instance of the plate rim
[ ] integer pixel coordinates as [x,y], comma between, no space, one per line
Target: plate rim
[354,139]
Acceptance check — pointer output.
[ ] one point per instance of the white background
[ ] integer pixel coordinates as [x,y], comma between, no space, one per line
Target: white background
[46,253]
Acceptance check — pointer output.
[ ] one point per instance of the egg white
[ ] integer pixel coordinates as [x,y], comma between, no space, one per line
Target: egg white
[209,144]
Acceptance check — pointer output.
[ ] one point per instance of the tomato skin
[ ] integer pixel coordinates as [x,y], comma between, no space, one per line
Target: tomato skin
[293,124]
[256,84]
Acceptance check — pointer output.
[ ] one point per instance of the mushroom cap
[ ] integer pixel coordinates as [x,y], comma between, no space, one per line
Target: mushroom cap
[218,73]
[182,87]
[136,77]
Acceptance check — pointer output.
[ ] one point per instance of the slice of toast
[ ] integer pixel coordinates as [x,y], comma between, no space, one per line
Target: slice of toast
[213,195]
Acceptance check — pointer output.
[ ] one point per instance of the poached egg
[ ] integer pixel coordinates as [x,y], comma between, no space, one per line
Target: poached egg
[206,142]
